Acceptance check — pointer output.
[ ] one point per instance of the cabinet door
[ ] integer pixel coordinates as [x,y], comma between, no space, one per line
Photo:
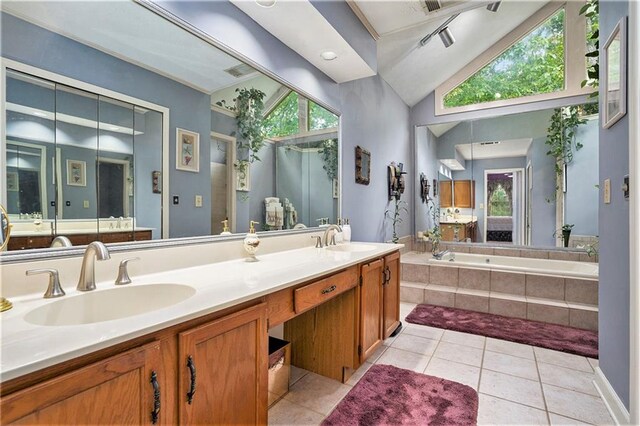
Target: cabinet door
[117,390]
[371,294]
[445,194]
[223,367]
[464,193]
[447,232]
[391,293]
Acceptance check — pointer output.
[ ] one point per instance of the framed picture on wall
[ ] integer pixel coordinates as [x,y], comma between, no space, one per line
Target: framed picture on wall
[243,176]
[76,173]
[187,150]
[615,75]
[12,182]
[336,188]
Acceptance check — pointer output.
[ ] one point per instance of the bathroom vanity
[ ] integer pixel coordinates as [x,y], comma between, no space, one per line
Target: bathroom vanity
[204,359]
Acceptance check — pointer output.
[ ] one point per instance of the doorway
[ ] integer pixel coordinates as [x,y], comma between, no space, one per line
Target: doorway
[113,194]
[504,220]
[222,182]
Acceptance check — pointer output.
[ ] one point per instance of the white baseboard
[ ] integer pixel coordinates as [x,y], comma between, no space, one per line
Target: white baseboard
[614,404]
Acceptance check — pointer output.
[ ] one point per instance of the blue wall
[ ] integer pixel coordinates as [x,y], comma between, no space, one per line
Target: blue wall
[614,235]
[190,109]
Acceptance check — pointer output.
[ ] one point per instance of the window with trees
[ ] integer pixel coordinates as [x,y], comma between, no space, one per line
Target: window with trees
[283,119]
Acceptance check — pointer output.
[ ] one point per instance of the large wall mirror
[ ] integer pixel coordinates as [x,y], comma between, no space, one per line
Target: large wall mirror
[103,139]
[513,179]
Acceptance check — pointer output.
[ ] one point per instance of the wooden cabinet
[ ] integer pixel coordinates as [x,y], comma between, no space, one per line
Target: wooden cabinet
[465,231]
[446,194]
[371,308]
[223,368]
[464,193]
[26,243]
[391,294]
[117,390]
[44,241]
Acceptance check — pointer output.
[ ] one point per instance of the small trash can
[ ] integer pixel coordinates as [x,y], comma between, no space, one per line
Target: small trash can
[279,369]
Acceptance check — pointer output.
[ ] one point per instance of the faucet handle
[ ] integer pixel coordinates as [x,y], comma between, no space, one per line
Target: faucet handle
[123,273]
[318,240]
[54,289]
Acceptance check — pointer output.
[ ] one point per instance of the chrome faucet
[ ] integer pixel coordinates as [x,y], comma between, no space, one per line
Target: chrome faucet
[440,254]
[95,250]
[325,237]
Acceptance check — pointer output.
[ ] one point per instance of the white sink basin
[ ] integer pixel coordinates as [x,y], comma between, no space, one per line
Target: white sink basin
[352,247]
[115,303]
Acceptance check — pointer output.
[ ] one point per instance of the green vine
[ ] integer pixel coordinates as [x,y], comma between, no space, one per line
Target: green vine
[591,12]
[399,208]
[329,153]
[561,136]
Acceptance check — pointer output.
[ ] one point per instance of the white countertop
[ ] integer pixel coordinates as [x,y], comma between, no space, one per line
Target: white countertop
[26,348]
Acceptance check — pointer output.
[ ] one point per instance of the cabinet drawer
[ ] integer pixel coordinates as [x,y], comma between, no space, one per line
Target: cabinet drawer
[318,292]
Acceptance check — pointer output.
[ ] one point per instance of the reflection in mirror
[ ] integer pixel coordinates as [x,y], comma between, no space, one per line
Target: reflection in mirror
[5,228]
[91,132]
[519,178]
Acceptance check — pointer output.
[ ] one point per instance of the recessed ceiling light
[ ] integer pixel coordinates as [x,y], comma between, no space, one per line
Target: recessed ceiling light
[329,55]
[265,3]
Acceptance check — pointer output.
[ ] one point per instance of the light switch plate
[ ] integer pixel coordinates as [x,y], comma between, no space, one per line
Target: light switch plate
[86,204]
[198,200]
[607,191]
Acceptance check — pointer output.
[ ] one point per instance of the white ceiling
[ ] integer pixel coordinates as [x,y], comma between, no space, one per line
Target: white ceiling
[300,26]
[502,149]
[414,71]
[440,129]
[131,32]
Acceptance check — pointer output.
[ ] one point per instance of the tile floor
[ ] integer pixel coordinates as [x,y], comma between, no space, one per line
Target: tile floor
[517,384]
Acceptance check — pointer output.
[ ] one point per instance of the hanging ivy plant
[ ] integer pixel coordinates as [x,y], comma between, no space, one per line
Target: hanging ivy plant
[329,154]
[561,136]
[591,12]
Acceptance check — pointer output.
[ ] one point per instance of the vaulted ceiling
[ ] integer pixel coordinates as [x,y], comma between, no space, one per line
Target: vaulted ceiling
[415,71]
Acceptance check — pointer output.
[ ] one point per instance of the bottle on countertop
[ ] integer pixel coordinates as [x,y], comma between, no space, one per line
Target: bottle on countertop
[346,231]
[251,242]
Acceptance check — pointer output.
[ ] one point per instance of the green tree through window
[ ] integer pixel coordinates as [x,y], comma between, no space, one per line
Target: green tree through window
[499,204]
[533,65]
[283,120]
[320,118]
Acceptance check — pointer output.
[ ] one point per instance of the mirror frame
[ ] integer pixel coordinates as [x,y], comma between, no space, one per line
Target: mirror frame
[165,241]
[362,156]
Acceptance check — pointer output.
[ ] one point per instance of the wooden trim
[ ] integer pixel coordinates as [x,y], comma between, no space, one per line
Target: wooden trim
[223,111]
[363,19]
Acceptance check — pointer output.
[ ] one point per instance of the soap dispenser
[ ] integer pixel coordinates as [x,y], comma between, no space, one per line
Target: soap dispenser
[225,227]
[251,242]
[346,231]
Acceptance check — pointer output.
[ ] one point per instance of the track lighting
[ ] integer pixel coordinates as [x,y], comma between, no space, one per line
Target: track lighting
[493,7]
[446,36]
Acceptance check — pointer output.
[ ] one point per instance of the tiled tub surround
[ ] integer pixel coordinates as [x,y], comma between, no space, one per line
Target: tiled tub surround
[514,289]
[217,271]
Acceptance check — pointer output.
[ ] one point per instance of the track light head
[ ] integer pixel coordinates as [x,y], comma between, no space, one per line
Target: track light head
[446,36]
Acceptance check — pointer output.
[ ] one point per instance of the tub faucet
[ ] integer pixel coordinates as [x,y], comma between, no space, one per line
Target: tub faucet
[95,250]
[325,237]
[440,254]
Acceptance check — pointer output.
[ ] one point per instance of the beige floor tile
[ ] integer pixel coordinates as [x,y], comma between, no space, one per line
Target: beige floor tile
[496,411]
[297,373]
[357,375]
[558,420]
[404,359]
[376,354]
[567,378]
[516,389]
[390,340]
[466,339]
[576,405]
[509,364]
[405,309]
[510,348]
[317,393]
[288,413]
[422,331]
[562,359]
[415,344]
[459,353]
[461,373]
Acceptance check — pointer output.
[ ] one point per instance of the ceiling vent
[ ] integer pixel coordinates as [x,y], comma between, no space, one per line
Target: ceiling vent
[489,143]
[240,70]
[433,5]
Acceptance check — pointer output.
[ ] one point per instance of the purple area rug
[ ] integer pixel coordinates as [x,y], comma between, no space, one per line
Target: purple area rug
[388,395]
[551,336]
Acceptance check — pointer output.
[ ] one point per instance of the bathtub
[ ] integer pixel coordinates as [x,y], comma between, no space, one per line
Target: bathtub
[561,268]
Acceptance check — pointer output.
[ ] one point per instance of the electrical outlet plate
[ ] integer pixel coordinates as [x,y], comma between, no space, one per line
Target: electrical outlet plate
[607,191]
[198,200]
[86,204]
[176,200]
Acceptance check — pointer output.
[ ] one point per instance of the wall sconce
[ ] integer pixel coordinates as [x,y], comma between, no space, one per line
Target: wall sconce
[396,180]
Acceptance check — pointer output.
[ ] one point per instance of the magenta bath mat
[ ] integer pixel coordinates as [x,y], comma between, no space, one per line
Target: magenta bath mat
[551,336]
[388,395]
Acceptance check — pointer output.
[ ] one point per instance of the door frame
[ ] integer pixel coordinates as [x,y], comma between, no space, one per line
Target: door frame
[125,181]
[488,172]
[231,175]
[43,173]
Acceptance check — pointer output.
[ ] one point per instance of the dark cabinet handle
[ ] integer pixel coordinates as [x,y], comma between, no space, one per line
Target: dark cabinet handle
[156,398]
[387,275]
[192,386]
[328,289]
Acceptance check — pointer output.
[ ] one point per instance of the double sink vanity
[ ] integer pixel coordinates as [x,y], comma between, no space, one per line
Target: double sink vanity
[188,343]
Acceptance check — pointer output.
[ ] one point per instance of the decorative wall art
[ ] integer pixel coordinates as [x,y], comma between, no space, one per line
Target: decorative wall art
[615,75]
[424,188]
[12,182]
[395,174]
[187,151]
[435,187]
[243,176]
[363,166]
[156,183]
[76,173]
